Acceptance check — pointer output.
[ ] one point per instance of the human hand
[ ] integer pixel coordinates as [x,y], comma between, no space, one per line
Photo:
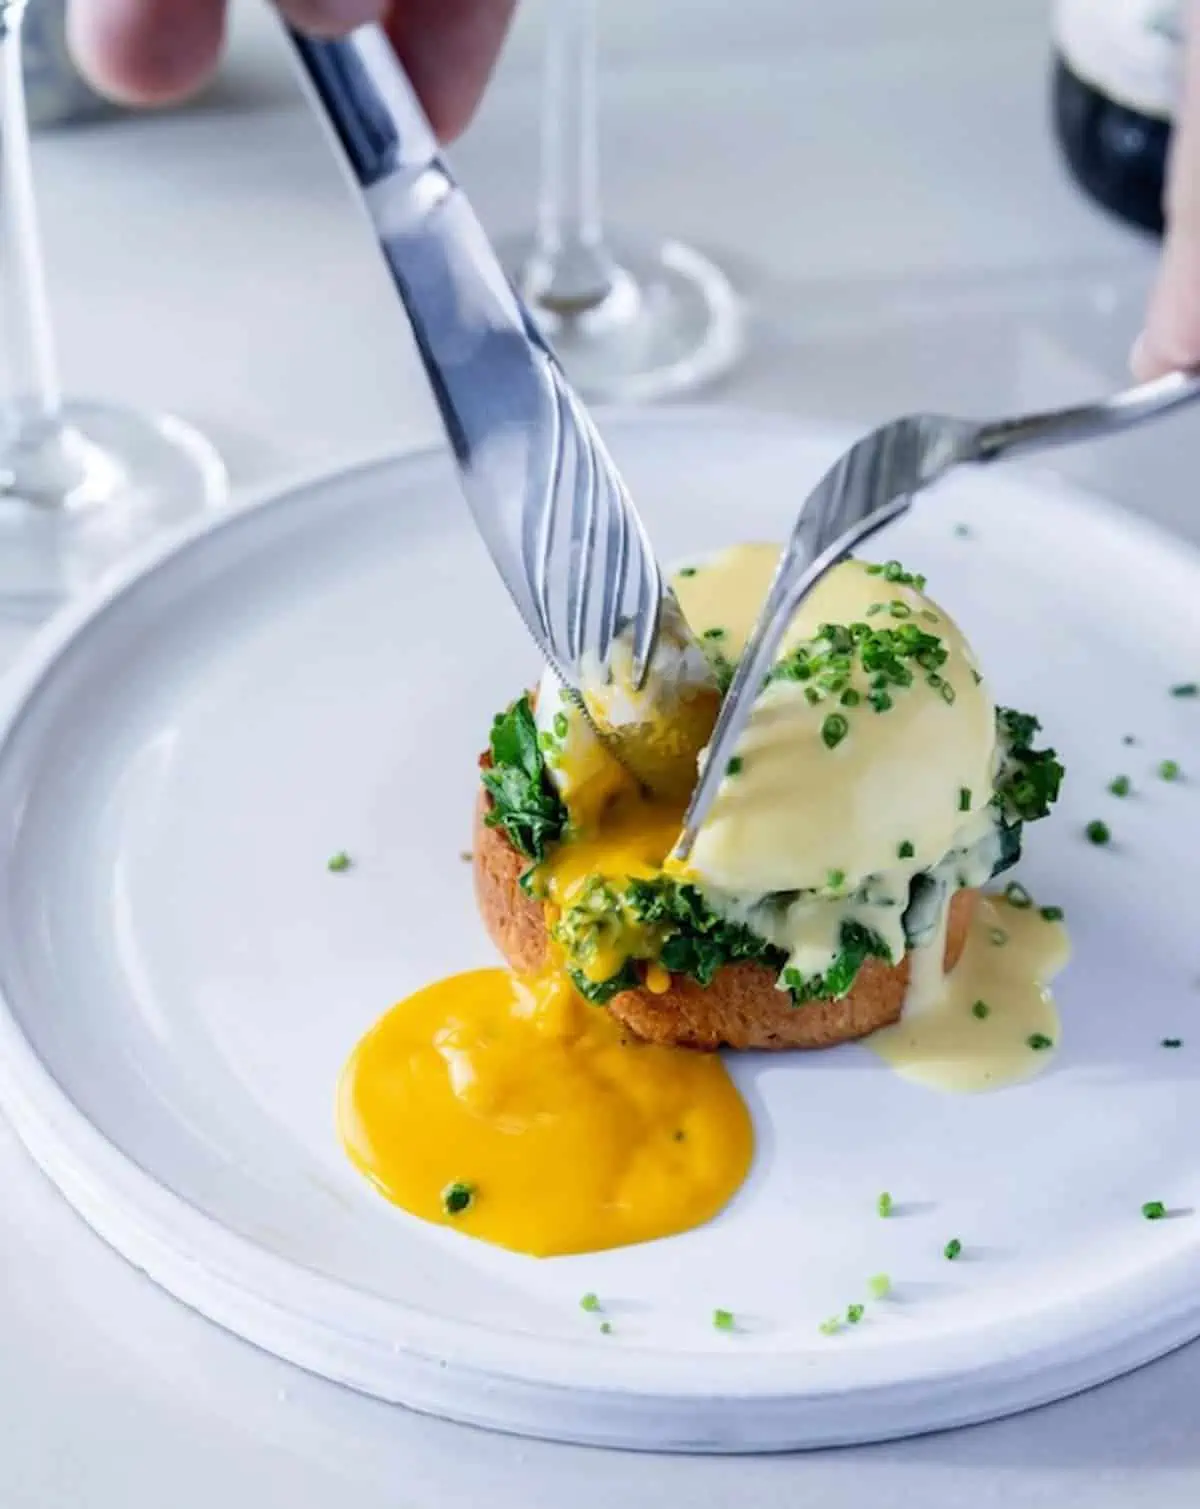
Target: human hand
[152,52]
[1171,338]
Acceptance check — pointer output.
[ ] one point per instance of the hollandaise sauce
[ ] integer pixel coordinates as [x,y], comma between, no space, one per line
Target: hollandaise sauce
[990,1021]
[516,1112]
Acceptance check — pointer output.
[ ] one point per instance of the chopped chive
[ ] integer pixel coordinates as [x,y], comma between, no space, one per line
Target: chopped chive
[998,936]
[687,570]
[897,609]
[1038,1041]
[906,850]
[1128,739]
[930,616]
[716,632]
[606,1328]
[590,1302]
[879,1286]
[981,1009]
[952,1249]
[1120,785]
[812,695]
[854,1313]
[831,1326]
[340,861]
[1169,770]
[1172,1042]
[735,766]
[722,1320]
[962,532]
[466,856]
[964,799]
[1186,689]
[561,726]
[679,1135]
[1097,832]
[977,676]
[1052,913]
[948,693]
[457,1197]
[1017,896]
[836,879]
[850,698]
[884,1205]
[834,730]
[1154,1210]
[873,609]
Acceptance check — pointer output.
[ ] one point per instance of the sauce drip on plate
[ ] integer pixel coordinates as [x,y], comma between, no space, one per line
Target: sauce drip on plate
[992,1020]
[567,1137]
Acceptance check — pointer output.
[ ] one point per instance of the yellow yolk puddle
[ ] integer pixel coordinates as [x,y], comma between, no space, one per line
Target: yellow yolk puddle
[990,1022]
[569,1138]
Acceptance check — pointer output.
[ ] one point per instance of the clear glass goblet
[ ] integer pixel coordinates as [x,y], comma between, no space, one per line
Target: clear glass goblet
[82,482]
[630,319]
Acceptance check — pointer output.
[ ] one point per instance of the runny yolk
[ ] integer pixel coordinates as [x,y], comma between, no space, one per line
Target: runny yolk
[569,1137]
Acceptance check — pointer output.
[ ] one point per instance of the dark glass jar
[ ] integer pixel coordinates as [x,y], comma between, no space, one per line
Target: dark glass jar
[1115,82]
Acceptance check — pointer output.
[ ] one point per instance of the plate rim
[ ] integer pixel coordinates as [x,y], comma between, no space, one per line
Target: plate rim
[135,1214]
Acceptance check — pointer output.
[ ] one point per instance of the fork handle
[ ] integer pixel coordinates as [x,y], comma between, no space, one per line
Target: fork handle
[1108,416]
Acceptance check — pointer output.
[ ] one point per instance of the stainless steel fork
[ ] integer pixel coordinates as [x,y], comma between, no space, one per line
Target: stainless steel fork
[546,496]
[870,487]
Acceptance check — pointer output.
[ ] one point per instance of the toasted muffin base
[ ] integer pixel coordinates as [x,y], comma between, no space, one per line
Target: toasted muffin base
[741,1008]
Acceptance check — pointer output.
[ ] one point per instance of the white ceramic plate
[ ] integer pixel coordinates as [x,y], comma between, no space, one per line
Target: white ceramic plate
[182,977]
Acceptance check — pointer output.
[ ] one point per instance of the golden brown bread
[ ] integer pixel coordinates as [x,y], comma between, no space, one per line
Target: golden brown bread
[740,1009]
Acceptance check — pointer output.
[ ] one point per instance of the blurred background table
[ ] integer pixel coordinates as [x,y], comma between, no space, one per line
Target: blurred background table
[879,178]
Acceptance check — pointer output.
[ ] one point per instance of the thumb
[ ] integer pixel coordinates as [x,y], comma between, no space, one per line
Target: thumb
[1171,337]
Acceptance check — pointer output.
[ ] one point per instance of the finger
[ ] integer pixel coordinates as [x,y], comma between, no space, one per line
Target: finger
[151,52]
[329,18]
[449,48]
[146,52]
[1171,337]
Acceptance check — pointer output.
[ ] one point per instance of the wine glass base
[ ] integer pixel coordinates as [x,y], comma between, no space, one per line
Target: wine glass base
[669,323]
[77,499]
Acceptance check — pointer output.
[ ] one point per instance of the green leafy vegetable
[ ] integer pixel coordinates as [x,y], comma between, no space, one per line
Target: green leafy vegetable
[858,944]
[694,941]
[525,801]
[1029,779]
[723,1320]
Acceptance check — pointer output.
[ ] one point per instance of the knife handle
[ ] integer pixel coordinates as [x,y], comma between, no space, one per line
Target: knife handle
[365,94]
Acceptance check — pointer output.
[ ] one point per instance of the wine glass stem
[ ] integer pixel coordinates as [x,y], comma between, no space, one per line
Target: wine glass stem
[32,374]
[576,268]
